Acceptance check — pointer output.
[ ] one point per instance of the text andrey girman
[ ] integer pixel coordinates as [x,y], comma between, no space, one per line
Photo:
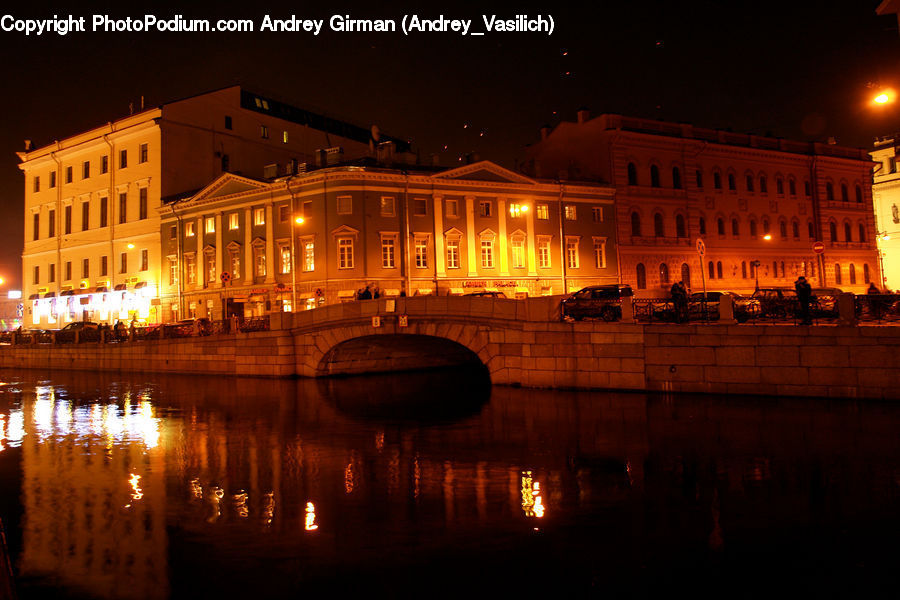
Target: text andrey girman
[409,24]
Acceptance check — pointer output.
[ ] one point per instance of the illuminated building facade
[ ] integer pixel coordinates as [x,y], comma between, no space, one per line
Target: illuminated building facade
[237,248]
[759,203]
[886,194]
[92,201]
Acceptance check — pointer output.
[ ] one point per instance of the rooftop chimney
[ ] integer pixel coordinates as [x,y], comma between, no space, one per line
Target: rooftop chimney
[27,145]
[583,115]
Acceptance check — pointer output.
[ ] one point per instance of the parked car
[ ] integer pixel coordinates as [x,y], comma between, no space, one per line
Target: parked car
[67,333]
[596,301]
[700,306]
[824,302]
[776,302]
[487,294]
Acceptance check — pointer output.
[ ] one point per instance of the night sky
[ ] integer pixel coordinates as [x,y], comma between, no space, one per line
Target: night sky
[801,70]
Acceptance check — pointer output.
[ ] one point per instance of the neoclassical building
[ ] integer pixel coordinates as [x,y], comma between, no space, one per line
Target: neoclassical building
[886,193]
[93,200]
[759,204]
[244,246]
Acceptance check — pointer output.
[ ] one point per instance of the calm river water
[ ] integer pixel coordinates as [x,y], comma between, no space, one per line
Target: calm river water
[437,485]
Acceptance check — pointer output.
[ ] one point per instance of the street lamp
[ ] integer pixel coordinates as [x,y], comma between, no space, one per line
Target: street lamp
[755,264]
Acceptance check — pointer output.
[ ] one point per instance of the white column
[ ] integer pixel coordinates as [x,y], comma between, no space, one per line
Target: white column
[470,236]
[530,248]
[501,219]
[219,249]
[440,256]
[270,246]
[249,267]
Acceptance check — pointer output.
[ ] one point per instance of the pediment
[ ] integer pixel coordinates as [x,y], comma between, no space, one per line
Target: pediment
[344,230]
[227,184]
[484,170]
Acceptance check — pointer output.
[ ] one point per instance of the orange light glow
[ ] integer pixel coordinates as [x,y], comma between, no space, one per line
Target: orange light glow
[882,98]
[310,522]
[768,236]
[299,220]
[131,246]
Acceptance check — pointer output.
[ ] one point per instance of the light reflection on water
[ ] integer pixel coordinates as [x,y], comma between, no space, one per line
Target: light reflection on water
[128,488]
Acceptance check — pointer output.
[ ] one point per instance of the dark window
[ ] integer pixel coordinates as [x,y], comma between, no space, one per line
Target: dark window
[104,266]
[226,163]
[832,230]
[654,176]
[632,174]
[845,196]
[859,197]
[848,233]
[735,228]
[658,225]
[680,229]
[702,226]
[145,260]
[686,274]
[142,204]
[85,216]
[68,270]
[36,276]
[37,227]
[51,223]
[837,273]
[227,122]
[795,229]
[866,276]
[717,181]
[812,231]
[123,207]
[752,228]
[52,276]
[711,270]
[264,132]
[719,269]
[68,174]
[104,164]
[53,179]
[782,226]
[862,232]
[635,224]
[68,229]
[792,187]
[123,264]
[765,224]
[749,183]
[720,226]
[699,179]
[663,273]
[676,178]
[731,184]
[123,160]
[86,169]
[779,185]
[143,153]
[85,268]
[807,189]
[852,274]
[104,211]
[37,184]
[763,184]
[744,269]
[829,191]
[640,272]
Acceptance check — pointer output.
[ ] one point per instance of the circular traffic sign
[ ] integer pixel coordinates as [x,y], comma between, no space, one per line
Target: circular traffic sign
[819,247]
[701,247]
[225,276]
[319,293]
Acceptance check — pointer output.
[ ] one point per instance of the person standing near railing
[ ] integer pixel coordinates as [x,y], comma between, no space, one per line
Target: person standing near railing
[804,295]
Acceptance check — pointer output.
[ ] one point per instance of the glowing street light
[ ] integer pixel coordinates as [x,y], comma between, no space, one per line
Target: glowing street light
[767,237]
[882,98]
[131,246]
[299,220]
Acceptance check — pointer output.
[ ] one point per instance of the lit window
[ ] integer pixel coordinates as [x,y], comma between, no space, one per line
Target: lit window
[421,253]
[233,221]
[145,260]
[543,212]
[484,207]
[597,214]
[387,206]
[284,137]
[259,216]
[570,212]
[235,264]
[387,251]
[344,205]
[345,253]
[264,132]
[572,253]
[600,253]
[259,261]
[487,253]
[517,244]
[453,253]
[285,259]
[309,255]
[210,259]
[543,253]
[210,224]
[189,229]
[190,265]
[173,271]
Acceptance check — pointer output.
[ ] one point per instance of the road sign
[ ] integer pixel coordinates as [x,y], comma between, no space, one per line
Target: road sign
[225,276]
[819,247]
[403,321]
[319,293]
[701,247]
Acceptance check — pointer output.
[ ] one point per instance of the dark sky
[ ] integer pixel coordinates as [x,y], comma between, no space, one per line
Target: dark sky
[801,70]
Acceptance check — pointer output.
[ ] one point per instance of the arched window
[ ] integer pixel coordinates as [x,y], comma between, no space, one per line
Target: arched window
[852,274]
[635,224]
[731,184]
[829,191]
[699,174]
[719,269]
[782,269]
[792,187]
[735,228]
[782,225]
[657,225]
[765,223]
[680,229]
[807,189]
[795,229]
[744,269]
[866,277]
[862,232]
[717,180]
[779,185]
[654,176]
[832,230]
[720,226]
[837,273]
[752,228]
[753,268]
[812,230]
[702,226]
[686,274]
[749,183]
[663,273]
[763,184]
[641,276]
[632,174]
[848,233]
[845,197]
[712,270]
[858,194]
[775,269]
[676,178]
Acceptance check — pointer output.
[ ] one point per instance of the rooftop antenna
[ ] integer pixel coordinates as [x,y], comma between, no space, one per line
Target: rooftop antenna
[142,102]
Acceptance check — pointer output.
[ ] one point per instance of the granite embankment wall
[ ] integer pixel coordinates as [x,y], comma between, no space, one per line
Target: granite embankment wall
[520,343]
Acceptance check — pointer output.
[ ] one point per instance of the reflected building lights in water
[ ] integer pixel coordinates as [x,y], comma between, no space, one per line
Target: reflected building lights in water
[240,504]
[268,509]
[310,522]
[2,432]
[215,500]
[532,500]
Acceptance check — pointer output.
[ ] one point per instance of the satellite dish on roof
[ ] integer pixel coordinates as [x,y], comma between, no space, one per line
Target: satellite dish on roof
[376,133]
